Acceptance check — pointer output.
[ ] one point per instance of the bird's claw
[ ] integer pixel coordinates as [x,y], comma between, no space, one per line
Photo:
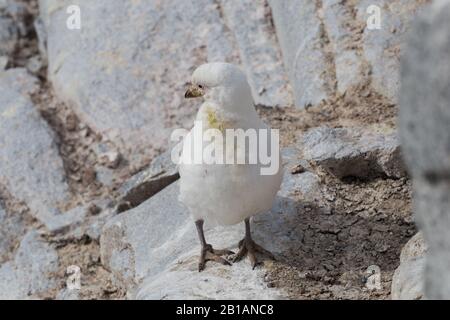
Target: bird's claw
[210,254]
[247,247]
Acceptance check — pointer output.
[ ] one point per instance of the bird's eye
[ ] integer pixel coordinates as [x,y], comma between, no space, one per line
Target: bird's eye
[200,86]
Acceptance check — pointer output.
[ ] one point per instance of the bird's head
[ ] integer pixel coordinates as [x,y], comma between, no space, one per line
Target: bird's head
[223,83]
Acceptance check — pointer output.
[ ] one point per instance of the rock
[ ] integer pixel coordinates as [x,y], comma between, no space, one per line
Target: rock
[340,27]
[251,25]
[328,48]
[31,167]
[353,152]
[9,35]
[382,46]
[299,32]
[152,250]
[12,228]
[14,17]
[29,275]
[128,81]
[67,294]
[425,137]
[19,80]
[60,222]
[3,62]
[159,174]
[408,280]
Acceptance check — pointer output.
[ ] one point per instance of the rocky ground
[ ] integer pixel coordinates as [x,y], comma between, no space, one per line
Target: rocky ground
[85,118]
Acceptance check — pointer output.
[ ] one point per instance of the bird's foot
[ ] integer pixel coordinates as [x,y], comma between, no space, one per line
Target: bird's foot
[209,254]
[247,247]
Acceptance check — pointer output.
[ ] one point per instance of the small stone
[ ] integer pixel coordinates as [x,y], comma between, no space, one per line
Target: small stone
[93,209]
[71,122]
[111,159]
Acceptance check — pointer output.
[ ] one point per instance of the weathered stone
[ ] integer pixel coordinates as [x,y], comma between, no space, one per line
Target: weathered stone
[382,46]
[424,128]
[67,294]
[60,222]
[152,250]
[299,31]
[126,76]
[18,80]
[341,29]
[353,152]
[159,174]
[9,35]
[251,25]
[30,273]
[12,228]
[31,168]
[408,280]
[327,46]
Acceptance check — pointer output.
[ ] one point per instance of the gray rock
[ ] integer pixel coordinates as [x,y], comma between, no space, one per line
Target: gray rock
[299,32]
[67,294]
[340,26]
[126,76]
[424,122]
[408,280]
[152,250]
[30,273]
[12,228]
[382,46]
[19,80]
[325,52]
[159,174]
[60,222]
[9,35]
[354,152]
[31,168]
[251,25]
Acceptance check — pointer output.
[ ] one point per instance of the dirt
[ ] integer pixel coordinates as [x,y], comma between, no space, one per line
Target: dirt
[96,281]
[359,224]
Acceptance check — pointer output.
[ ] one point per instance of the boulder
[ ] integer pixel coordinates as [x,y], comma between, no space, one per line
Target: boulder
[158,175]
[9,35]
[31,274]
[382,47]
[126,77]
[31,169]
[299,30]
[408,280]
[353,152]
[328,48]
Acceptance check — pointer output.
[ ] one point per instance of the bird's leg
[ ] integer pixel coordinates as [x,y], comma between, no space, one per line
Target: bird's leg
[248,247]
[207,252]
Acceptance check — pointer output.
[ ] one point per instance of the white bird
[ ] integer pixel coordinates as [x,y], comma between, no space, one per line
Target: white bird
[225,194]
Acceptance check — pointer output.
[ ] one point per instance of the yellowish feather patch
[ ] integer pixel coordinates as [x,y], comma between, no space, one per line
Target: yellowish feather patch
[214,121]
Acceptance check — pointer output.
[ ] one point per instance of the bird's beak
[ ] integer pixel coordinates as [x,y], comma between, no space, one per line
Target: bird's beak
[194,92]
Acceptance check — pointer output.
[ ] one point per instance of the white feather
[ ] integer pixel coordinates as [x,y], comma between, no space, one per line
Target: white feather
[225,194]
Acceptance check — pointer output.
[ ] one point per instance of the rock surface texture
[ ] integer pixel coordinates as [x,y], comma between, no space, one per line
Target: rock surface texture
[128,80]
[408,280]
[424,123]
[328,48]
[86,178]
[354,152]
